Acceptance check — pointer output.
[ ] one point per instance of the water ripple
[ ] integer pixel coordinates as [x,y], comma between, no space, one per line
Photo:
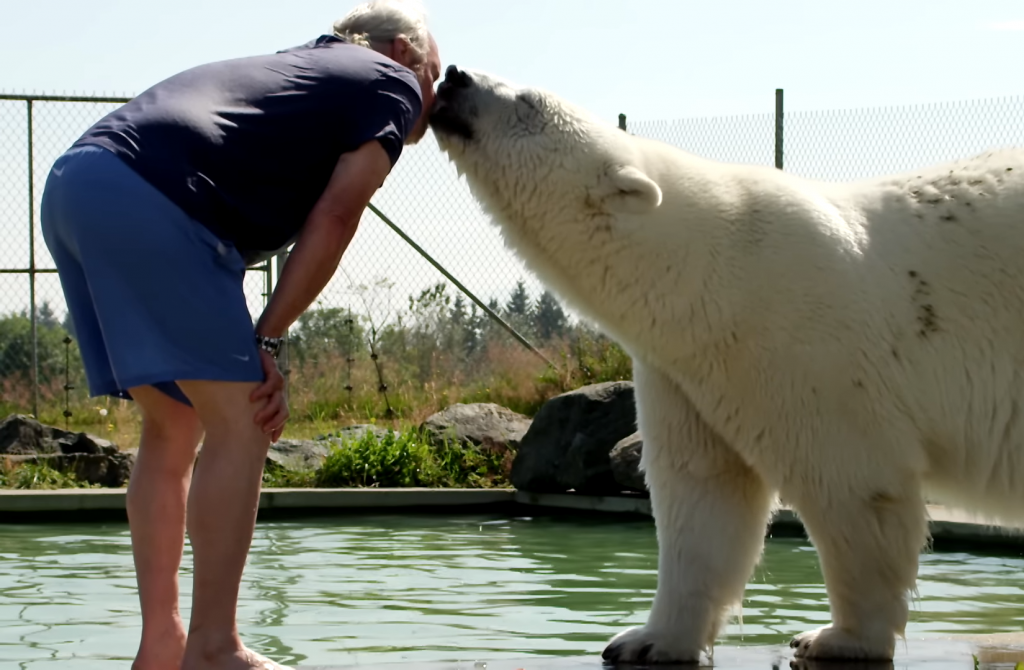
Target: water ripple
[384,589]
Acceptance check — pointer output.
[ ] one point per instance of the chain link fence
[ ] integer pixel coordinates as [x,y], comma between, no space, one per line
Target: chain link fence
[391,335]
[849,144]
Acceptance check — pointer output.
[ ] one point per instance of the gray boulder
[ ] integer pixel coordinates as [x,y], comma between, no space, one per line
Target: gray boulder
[108,470]
[625,463]
[298,455]
[485,425]
[91,459]
[570,440]
[23,435]
[20,435]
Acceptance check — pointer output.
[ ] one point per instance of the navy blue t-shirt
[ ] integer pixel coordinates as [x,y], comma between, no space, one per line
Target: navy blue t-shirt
[247,146]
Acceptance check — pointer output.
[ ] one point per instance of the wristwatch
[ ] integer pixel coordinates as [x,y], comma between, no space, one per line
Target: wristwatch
[271,345]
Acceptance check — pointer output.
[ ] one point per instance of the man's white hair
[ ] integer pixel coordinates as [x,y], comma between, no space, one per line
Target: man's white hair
[381,21]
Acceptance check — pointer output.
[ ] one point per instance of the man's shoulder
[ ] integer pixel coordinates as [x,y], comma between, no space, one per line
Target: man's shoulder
[350,58]
[395,79]
[331,48]
[323,41]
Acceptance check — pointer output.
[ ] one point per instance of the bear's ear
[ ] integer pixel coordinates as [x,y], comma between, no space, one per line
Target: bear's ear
[528,110]
[627,190]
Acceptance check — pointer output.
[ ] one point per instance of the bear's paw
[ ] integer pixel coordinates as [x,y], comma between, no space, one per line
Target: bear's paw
[645,645]
[834,644]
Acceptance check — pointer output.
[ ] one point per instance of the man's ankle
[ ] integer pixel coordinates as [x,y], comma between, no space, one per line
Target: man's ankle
[211,643]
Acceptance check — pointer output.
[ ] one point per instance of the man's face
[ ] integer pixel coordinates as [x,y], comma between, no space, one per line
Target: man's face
[428,76]
[428,73]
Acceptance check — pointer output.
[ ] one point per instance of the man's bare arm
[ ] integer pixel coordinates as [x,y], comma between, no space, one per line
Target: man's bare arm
[325,236]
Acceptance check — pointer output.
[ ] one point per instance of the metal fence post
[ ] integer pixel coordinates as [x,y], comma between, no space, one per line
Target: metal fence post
[280,260]
[778,128]
[268,281]
[622,121]
[32,263]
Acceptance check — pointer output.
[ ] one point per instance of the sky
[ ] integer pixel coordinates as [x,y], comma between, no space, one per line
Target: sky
[661,62]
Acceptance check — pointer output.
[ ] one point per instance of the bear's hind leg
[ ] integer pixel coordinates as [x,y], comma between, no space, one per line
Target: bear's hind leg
[868,544]
[711,512]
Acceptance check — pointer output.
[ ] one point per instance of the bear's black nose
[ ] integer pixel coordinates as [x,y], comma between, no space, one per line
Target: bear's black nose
[456,78]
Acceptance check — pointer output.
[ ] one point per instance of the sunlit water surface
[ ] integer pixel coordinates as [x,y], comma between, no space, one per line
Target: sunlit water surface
[393,588]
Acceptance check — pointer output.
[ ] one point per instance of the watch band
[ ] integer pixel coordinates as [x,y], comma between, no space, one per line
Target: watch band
[271,345]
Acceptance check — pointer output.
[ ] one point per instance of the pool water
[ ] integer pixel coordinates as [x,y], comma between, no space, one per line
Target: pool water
[395,588]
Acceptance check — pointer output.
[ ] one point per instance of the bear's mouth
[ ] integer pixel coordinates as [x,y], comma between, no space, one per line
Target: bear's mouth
[445,120]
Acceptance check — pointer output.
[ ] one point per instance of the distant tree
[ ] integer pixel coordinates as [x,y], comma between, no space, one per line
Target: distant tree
[477,323]
[549,318]
[519,310]
[487,329]
[518,304]
[461,336]
[330,330]
[51,351]
[46,317]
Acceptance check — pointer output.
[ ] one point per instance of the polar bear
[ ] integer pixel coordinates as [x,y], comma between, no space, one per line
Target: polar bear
[848,348]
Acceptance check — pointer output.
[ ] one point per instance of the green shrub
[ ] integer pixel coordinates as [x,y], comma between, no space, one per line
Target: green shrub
[406,459]
[38,476]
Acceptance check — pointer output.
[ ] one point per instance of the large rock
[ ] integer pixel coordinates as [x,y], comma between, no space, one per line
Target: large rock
[483,424]
[92,459]
[20,435]
[625,463]
[298,455]
[108,470]
[570,440]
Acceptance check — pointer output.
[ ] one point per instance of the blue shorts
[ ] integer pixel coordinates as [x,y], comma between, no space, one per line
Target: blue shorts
[154,296]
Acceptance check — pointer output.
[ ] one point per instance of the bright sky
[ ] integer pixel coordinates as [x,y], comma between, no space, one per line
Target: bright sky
[651,59]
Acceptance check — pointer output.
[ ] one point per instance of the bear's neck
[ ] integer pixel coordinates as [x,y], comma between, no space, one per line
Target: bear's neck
[636,277]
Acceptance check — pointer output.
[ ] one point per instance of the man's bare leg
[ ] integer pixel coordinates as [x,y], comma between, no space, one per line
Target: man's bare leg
[221,518]
[156,499]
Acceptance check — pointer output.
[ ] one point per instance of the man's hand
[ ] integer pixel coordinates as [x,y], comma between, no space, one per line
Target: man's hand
[272,417]
[312,262]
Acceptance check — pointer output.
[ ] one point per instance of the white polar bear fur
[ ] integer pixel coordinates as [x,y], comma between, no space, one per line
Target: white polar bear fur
[849,347]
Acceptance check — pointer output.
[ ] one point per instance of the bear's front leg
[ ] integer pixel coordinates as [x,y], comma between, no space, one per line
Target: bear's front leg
[868,533]
[710,510]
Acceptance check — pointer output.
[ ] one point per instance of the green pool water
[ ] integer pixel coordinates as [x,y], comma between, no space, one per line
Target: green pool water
[404,588]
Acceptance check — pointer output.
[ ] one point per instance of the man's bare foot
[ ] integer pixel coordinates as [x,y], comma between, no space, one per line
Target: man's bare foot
[236,659]
[161,651]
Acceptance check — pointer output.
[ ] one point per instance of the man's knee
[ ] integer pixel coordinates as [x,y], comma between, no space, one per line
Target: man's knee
[166,419]
[224,406]
[161,409]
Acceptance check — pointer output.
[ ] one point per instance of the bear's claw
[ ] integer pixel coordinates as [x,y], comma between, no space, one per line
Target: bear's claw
[641,646]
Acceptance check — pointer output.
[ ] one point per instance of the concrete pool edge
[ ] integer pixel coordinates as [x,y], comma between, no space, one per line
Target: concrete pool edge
[63,504]
[41,502]
[934,652]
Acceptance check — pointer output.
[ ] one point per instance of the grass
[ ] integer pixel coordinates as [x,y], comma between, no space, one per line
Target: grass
[399,460]
[407,459]
[36,476]
[320,402]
